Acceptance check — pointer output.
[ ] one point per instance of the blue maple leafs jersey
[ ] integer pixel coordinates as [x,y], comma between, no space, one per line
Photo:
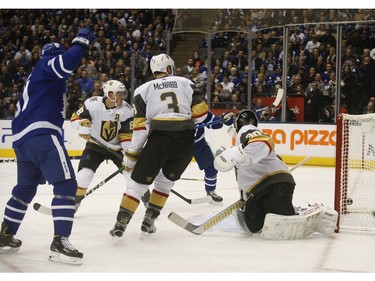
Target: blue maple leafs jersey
[41,108]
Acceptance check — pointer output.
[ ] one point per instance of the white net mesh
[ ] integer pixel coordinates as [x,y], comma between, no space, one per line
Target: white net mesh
[355,190]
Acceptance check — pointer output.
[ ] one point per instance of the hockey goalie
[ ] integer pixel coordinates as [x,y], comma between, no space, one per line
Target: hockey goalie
[266,186]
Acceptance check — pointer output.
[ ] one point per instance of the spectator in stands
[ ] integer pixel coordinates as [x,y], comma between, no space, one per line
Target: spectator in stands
[355,41]
[86,65]
[5,77]
[220,41]
[20,77]
[223,94]
[197,78]
[327,115]
[370,108]
[313,43]
[196,59]
[227,85]
[331,58]
[103,79]
[260,82]
[367,79]
[326,75]
[10,112]
[313,104]
[328,38]
[297,34]
[348,93]
[216,103]
[256,62]
[234,103]
[187,69]
[289,114]
[240,61]
[225,59]
[98,91]
[86,84]
[348,56]
[95,74]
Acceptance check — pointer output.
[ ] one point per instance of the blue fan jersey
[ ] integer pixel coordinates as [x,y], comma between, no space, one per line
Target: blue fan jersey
[41,108]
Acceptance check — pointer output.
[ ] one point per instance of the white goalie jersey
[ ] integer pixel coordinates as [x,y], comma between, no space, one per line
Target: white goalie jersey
[112,126]
[259,149]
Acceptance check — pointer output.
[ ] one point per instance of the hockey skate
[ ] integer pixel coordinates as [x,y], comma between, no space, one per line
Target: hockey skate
[148,224]
[63,251]
[8,244]
[216,199]
[123,218]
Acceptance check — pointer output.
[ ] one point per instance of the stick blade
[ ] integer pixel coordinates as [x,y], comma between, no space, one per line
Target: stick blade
[201,200]
[183,223]
[279,96]
[42,209]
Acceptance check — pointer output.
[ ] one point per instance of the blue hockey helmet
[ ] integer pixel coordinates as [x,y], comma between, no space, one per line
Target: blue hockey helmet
[52,50]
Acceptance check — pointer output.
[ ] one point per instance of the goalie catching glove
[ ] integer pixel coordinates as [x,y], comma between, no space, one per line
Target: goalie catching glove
[130,158]
[229,157]
[84,130]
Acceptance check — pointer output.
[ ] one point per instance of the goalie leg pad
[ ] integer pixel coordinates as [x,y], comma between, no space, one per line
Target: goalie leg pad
[328,220]
[317,218]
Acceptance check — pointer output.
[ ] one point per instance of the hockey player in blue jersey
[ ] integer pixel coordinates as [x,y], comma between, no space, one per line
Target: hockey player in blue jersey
[39,147]
[203,154]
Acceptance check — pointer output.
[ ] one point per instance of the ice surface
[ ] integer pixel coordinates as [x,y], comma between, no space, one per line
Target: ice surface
[174,250]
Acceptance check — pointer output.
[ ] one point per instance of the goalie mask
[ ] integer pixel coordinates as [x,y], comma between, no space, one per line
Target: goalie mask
[160,63]
[245,117]
[115,87]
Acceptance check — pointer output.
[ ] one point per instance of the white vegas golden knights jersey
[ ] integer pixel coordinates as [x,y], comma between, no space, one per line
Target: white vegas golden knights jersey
[112,126]
[266,167]
[166,104]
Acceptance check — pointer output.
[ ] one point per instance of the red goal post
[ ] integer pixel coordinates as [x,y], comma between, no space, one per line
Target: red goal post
[355,173]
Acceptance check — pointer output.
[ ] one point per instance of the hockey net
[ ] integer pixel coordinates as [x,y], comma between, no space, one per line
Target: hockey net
[355,173]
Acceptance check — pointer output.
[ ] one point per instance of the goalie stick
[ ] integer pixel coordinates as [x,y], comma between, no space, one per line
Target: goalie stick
[201,228]
[70,157]
[48,211]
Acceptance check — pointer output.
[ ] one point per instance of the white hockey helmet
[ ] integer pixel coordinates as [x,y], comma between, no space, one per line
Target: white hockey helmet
[114,86]
[160,63]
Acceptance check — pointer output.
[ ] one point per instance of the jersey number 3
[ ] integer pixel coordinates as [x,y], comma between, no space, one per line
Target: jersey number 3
[173,104]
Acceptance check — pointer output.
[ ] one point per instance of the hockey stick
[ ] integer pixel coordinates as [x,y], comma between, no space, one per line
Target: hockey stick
[200,200]
[191,179]
[48,211]
[279,96]
[200,228]
[70,157]
[190,201]
[303,161]
[208,124]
